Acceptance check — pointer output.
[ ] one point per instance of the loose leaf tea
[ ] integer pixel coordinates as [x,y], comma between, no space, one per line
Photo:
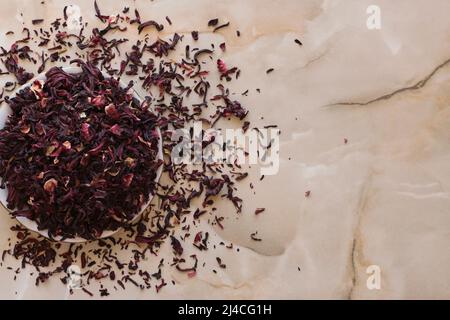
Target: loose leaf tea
[146,24]
[213,22]
[221,27]
[79,153]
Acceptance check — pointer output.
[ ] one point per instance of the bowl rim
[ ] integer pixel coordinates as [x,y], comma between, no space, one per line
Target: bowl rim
[32,225]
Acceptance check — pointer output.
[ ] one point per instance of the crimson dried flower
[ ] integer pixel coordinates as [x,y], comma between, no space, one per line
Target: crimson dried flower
[80,154]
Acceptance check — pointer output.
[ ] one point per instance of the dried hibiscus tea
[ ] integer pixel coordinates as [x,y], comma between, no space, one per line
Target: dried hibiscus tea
[78,154]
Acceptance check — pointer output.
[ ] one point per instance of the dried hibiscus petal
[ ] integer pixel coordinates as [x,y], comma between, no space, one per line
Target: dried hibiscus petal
[99,101]
[112,112]
[50,185]
[85,132]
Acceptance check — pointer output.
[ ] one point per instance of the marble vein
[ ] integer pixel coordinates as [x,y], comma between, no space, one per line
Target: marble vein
[420,84]
[356,248]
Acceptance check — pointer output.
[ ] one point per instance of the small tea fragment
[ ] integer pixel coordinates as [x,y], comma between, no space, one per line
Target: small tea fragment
[213,22]
[221,27]
[151,23]
[259,210]
[50,185]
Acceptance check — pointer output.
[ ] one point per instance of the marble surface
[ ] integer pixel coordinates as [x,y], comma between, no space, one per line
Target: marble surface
[382,198]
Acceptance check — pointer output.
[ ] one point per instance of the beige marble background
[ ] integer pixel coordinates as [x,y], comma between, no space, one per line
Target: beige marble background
[381,199]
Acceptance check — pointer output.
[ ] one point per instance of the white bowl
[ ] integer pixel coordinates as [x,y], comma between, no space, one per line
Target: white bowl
[5,111]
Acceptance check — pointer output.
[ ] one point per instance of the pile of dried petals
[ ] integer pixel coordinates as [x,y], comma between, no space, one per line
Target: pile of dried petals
[113,147]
